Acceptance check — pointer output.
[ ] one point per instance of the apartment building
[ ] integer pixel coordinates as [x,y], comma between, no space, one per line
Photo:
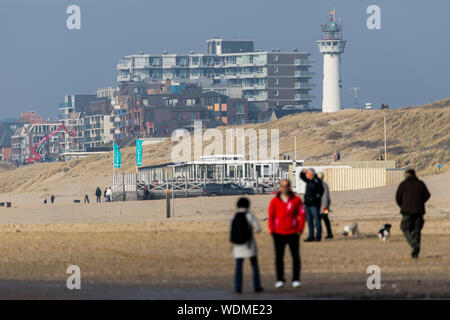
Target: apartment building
[98,130]
[32,136]
[274,77]
[228,111]
[89,121]
[7,130]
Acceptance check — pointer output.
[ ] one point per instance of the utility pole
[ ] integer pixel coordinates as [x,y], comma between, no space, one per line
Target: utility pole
[385,140]
[355,93]
[295,148]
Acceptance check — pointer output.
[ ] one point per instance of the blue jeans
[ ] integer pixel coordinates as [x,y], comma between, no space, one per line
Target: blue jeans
[313,217]
[239,274]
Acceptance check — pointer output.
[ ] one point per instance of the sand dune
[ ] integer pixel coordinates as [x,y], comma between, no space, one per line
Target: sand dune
[357,135]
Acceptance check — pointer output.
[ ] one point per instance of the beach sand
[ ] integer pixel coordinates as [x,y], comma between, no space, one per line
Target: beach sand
[129,250]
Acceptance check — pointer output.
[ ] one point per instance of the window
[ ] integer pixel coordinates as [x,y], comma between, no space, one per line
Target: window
[275,69]
[275,93]
[275,57]
[275,81]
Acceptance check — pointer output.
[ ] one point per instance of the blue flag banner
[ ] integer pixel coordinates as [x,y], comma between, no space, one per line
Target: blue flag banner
[139,152]
[117,156]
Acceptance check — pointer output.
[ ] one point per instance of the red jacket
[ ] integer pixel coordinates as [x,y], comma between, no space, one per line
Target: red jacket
[286,217]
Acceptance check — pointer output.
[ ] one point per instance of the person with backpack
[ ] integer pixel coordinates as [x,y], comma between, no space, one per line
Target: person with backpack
[313,202]
[286,221]
[243,224]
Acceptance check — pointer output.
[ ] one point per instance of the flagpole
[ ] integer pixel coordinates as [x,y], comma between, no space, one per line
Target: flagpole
[114,169]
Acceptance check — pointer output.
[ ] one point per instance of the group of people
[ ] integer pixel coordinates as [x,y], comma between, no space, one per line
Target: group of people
[107,195]
[286,221]
[52,199]
[288,213]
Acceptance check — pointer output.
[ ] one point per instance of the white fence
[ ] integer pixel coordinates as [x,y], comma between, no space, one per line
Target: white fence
[343,179]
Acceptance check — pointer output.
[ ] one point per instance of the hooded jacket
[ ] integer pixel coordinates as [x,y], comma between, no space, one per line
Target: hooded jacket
[286,218]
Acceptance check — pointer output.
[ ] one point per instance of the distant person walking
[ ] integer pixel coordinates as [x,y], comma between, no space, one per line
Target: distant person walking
[411,196]
[108,195]
[313,202]
[52,199]
[325,206]
[241,235]
[286,221]
[98,194]
[86,198]
[105,198]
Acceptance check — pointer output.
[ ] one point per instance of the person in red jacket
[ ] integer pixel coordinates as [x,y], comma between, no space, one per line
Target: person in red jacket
[286,223]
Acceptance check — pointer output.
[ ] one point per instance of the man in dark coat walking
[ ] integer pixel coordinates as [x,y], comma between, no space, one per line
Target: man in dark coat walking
[313,201]
[411,196]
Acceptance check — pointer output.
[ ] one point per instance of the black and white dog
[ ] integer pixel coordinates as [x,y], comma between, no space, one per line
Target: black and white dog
[385,232]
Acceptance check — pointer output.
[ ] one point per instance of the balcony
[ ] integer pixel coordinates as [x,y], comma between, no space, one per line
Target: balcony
[123,77]
[303,62]
[254,87]
[304,85]
[304,97]
[124,66]
[304,74]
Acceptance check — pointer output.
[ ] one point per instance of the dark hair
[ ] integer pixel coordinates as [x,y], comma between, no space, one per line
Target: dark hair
[411,172]
[243,203]
[288,182]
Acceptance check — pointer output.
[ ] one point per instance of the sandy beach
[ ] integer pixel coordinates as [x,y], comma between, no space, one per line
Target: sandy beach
[129,250]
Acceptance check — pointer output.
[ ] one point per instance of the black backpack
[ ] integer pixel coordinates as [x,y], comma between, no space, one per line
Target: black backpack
[241,231]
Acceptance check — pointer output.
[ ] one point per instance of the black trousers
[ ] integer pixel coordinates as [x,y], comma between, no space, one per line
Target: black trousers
[86,199]
[326,220]
[411,226]
[280,242]
[99,198]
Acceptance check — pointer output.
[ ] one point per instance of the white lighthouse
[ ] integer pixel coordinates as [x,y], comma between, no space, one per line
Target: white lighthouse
[331,45]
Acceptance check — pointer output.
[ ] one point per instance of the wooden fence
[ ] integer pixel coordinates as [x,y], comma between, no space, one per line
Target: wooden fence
[343,179]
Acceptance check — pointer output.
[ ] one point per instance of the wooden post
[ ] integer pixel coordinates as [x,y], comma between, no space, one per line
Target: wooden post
[167,204]
[173,193]
[186,186]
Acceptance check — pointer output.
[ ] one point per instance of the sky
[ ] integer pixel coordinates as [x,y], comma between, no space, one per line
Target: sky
[406,62]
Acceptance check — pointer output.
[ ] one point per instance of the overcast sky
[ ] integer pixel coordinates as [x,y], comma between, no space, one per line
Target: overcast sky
[405,63]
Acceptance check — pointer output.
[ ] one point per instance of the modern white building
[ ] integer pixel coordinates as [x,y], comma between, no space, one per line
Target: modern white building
[332,46]
[274,77]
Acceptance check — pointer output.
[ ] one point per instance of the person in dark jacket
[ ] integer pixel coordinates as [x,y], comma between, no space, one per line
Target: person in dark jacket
[411,196]
[98,194]
[313,202]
